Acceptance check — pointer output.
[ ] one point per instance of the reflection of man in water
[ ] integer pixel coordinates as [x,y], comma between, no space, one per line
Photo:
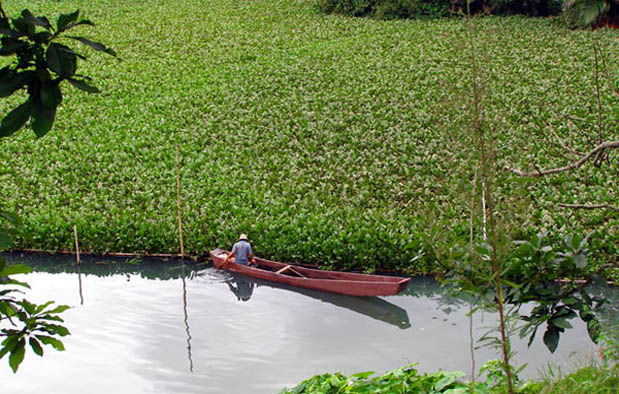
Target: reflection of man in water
[243,290]
[241,252]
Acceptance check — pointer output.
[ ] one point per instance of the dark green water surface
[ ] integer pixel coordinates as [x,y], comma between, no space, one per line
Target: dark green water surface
[159,327]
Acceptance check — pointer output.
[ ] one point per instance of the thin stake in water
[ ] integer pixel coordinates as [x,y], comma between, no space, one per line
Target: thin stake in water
[178,202]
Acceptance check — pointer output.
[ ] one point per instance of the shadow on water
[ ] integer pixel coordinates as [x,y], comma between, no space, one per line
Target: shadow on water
[186,318]
[374,307]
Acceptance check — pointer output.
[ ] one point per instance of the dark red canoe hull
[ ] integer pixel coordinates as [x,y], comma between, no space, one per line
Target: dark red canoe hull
[331,281]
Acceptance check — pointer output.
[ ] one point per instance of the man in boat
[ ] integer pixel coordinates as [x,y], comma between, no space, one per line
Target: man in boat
[241,252]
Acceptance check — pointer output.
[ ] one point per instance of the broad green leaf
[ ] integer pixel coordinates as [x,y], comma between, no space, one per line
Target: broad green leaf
[36,346]
[570,300]
[28,306]
[61,59]
[23,26]
[3,351]
[80,23]
[561,323]
[82,85]
[65,19]
[41,21]
[47,340]
[16,119]
[16,269]
[363,375]
[51,96]
[39,308]
[42,119]
[532,337]
[58,309]
[42,37]
[444,383]
[11,46]
[18,283]
[551,339]
[12,81]
[56,329]
[97,46]
[17,355]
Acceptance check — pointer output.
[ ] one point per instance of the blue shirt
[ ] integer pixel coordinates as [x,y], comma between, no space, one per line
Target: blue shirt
[241,250]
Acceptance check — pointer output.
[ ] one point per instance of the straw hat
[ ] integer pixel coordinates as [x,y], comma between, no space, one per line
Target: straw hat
[243,237]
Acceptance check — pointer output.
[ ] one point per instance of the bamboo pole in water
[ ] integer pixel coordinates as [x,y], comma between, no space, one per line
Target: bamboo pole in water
[178,202]
[77,246]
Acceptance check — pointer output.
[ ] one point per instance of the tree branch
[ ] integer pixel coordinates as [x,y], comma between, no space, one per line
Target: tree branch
[592,206]
[560,143]
[573,165]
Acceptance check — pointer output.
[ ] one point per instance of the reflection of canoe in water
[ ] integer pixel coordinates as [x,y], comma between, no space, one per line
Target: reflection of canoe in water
[335,282]
[373,307]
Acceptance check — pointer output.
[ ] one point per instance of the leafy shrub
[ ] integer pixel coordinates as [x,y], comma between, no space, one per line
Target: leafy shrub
[388,9]
[391,9]
[402,380]
[583,13]
[525,7]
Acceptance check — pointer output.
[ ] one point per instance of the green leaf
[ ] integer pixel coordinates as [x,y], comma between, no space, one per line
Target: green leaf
[16,269]
[56,329]
[61,59]
[80,23]
[444,383]
[17,355]
[42,37]
[51,96]
[11,81]
[551,338]
[40,308]
[82,85]
[58,309]
[11,46]
[532,337]
[28,306]
[23,26]
[363,375]
[97,46]
[3,351]
[18,283]
[16,119]
[36,346]
[562,322]
[36,21]
[42,119]
[47,340]
[65,19]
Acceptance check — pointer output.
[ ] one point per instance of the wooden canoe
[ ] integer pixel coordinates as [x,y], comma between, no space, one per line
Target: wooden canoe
[335,282]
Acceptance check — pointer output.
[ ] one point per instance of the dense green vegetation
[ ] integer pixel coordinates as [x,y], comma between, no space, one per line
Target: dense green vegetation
[390,9]
[327,139]
[599,379]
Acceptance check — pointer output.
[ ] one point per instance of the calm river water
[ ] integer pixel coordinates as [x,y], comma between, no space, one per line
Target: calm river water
[158,327]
